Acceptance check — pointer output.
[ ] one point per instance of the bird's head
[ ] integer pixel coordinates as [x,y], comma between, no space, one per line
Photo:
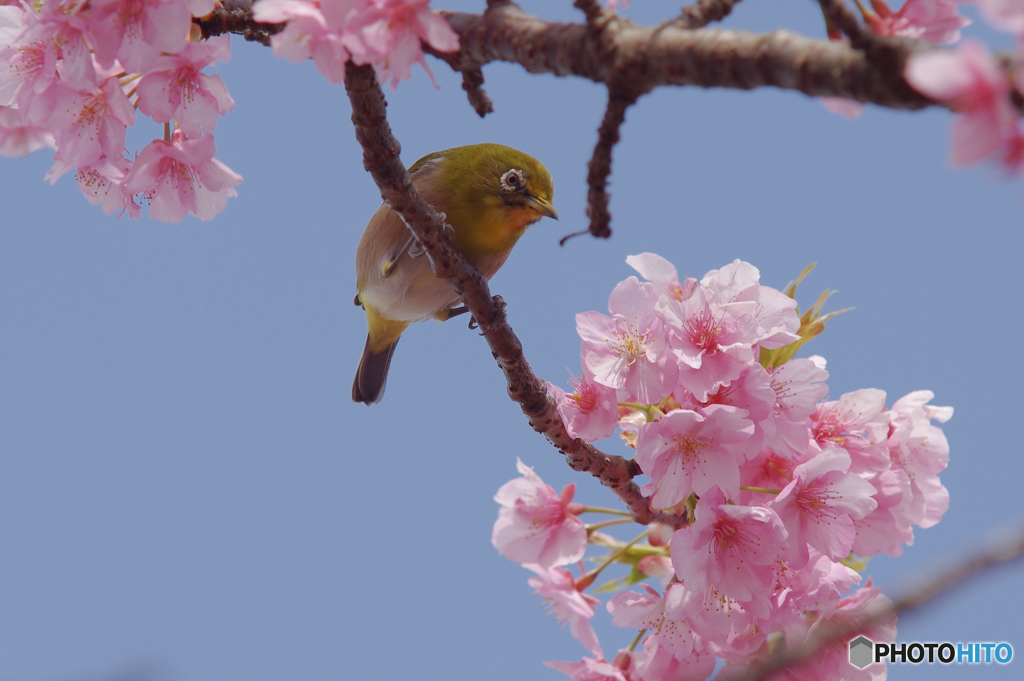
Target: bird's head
[493,193]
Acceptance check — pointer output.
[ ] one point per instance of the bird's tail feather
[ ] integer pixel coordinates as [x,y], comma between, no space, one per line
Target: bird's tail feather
[372,374]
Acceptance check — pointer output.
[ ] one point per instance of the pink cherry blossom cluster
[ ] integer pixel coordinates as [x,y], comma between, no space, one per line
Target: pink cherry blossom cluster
[385,33]
[73,73]
[786,493]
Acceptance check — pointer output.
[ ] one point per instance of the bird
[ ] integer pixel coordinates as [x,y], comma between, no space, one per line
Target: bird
[488,194]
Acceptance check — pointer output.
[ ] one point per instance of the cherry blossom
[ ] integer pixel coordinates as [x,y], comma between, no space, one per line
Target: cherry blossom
[17,138]
[136,32]
[1006,15]
[314,31]
[590,669]
[885,529]
[660,615]
[971,81]
[833,662]
[102,183]
[732,548]
[811,591]
[937,21]
[628,350]
[662,274]
[712,344]
[659,663]
[736,284]
[88,125]
[176,88]
[42,48]
[390,31]
[753,393]
[919,452]
[535,525]
[859,423]
[798,385]
[556,586]
[767,470]
[819,506]
[591,411]
[689,452]
[181,177]
[385,33]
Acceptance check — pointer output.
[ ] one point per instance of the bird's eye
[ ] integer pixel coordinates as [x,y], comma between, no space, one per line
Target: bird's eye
[512,180]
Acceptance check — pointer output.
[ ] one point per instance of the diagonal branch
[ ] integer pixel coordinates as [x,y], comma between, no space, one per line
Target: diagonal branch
[1003,549]
[381,159]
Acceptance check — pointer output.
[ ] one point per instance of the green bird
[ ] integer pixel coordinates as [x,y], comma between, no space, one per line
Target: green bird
[489,194]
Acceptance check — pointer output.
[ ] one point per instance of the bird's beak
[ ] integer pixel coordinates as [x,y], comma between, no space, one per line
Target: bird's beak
[543,207]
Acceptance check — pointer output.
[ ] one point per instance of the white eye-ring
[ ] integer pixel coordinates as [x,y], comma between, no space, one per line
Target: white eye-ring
[512,181]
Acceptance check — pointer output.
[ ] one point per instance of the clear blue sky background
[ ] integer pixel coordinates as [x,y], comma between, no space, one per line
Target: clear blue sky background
[187,490]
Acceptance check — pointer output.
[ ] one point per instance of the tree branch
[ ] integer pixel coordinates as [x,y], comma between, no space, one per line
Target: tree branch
[473,84]
[235,16]
[381,160]
[704,12]
[600,166]
[650,57]
[1002,549]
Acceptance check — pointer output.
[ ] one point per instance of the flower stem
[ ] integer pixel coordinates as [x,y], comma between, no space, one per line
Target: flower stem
[764,490]
[611,511]
[613,556]
[651,411]
[609,523]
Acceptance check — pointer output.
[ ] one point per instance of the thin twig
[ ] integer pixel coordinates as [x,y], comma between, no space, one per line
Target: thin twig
[839,15]
[590,8]
[704,12]
[600,166]
[473,84]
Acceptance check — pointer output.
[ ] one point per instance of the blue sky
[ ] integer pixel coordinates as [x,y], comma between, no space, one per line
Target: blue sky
[186,488]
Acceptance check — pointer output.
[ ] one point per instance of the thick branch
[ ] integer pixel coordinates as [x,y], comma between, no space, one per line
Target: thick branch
[381,159]
[669,55]
[649,57]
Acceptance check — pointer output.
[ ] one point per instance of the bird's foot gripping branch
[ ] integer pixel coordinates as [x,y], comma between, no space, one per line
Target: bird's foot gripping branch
[785,494]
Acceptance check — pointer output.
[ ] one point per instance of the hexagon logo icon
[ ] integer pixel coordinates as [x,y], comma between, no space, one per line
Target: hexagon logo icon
[861,652]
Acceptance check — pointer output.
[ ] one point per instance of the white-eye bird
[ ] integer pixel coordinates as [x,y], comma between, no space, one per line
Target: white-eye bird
[489,194]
